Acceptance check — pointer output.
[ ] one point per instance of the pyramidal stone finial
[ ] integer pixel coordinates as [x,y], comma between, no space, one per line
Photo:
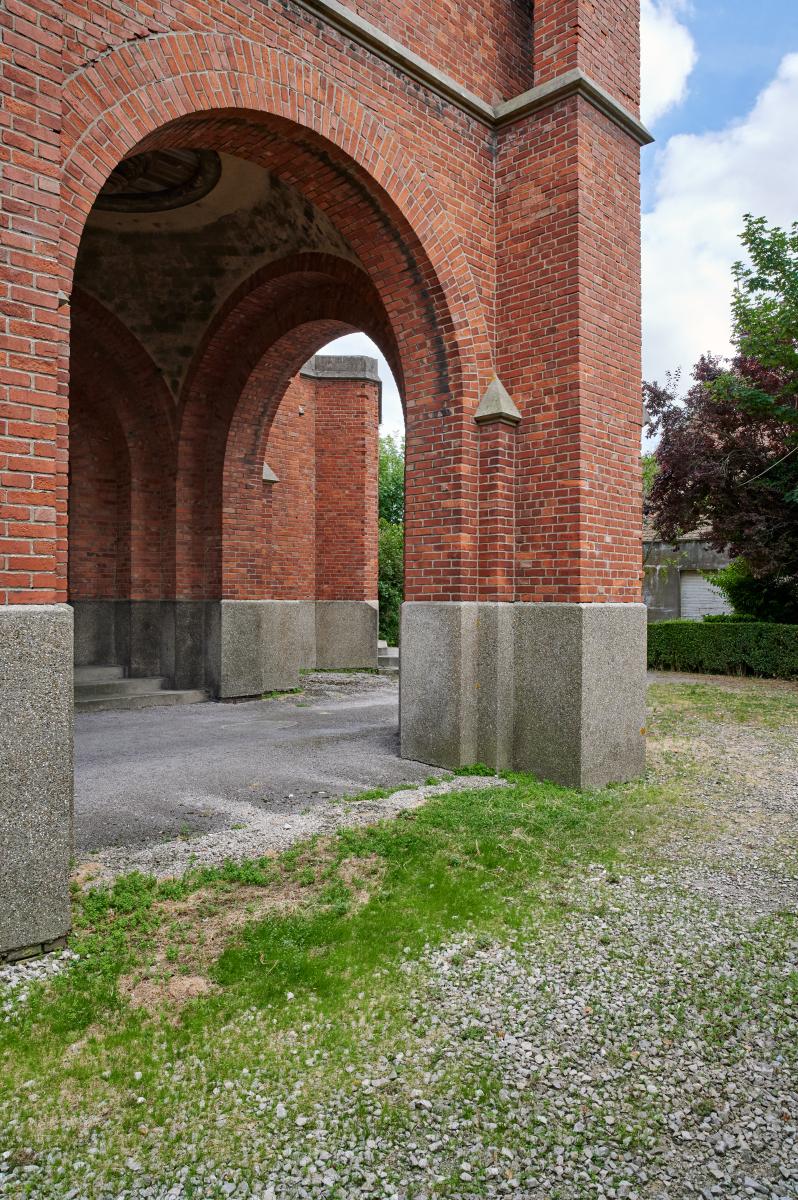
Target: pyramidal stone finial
[497,405]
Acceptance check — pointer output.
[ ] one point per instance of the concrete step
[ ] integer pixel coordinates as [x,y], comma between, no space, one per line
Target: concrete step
[118,687]
[136,700]
[97,674]
[381,645]
[388,658]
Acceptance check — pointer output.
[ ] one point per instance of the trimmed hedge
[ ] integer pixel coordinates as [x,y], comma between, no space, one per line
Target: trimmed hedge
[724,648]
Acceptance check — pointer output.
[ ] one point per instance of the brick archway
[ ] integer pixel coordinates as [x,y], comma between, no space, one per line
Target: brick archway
[117,104]
[332,556]
[257,343]
[264,107]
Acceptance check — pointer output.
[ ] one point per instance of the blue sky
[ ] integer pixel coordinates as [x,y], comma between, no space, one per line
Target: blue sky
[736,58]
[720,95]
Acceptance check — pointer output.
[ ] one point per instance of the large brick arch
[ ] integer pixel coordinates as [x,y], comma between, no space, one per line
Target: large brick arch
[109,365]
[139,90]
[258,341]
[265,105]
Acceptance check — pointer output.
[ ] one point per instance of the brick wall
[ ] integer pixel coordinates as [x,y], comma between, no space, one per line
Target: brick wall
[313,534]
[99,504]
[33,416]
[476,251]
[569,334]
[601,37]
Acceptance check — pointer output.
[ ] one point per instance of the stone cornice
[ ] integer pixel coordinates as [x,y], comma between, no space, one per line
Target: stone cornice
[575,82]
[572,83]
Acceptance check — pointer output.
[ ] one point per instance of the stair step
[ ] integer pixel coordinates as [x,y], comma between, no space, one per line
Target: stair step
[388,664]
[381,645]
[135,700]
[118,687]
[97,674]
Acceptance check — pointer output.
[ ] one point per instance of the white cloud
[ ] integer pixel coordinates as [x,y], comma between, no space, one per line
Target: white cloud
[705,183]
[668,55]
[393,420]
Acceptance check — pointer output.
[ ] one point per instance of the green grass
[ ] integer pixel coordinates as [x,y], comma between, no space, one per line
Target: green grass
[461,860]
[469,864]
[469,860]
[364,904]
[676,705]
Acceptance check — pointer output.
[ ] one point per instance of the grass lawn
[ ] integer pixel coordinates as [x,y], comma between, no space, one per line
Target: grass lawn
[201,1011]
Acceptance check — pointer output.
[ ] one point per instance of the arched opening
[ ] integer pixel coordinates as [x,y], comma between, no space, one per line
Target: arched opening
[204,288]
[241,457]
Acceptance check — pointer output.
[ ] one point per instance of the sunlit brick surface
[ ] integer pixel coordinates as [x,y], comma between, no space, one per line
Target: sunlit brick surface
[470,251]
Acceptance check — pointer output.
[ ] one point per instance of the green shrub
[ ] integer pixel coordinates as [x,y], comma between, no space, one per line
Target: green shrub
[725,648]
[766,598]
[391,579]
[715,617]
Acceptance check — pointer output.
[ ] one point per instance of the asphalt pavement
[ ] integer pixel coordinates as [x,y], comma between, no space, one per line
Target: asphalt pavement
[157,773]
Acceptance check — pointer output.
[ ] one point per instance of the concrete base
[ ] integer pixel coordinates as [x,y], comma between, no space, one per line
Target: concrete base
[176,639]
[263,644]
[557,690]
[36,652]
[266,643]
[346,634]
[229,648]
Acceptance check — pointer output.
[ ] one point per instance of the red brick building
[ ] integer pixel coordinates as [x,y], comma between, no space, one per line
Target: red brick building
[195,197]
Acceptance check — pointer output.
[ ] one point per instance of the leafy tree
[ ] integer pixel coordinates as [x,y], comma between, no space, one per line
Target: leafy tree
[777,600]
[728,454]
[391,579]
[649,473]
[391,536]
[392,479]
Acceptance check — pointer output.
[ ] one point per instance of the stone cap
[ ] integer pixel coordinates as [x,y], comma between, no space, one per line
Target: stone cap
[497,405]
[342,366]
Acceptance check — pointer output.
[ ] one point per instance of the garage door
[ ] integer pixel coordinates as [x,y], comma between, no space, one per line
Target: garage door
[700,597]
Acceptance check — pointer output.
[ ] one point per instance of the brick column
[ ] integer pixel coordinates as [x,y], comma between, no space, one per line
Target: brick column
[568,351]
[35,630]
[347,450]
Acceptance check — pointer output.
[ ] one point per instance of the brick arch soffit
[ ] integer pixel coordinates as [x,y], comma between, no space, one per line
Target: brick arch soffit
[294,292]
[252,420]
[105,119]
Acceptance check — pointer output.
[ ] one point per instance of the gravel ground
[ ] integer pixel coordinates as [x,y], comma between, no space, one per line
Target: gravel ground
[614,1058]
[644,1047]
[16,979]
